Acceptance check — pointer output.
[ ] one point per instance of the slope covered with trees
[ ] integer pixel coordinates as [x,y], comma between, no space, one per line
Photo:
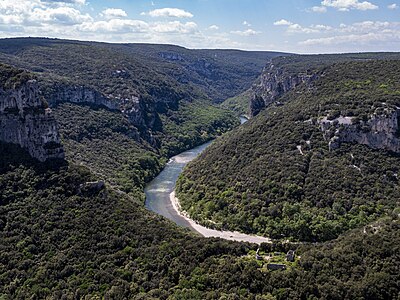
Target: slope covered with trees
[66,235]
[277,176]
[213,74]
[61,239]
[123,109]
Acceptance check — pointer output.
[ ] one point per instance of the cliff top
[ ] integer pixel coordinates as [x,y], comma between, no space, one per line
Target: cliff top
[12,78]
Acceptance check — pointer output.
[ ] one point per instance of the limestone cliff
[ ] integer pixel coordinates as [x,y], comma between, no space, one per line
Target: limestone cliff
[380,131]
[139,111]
[77,94]
[274,82]
[25,120]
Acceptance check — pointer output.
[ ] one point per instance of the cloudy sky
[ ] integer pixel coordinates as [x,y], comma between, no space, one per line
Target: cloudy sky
[302,26]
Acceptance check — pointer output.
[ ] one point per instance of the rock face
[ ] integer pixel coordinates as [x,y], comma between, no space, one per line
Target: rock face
[25,120]
[381,131]
[140,112]
[78,94]
[273,83]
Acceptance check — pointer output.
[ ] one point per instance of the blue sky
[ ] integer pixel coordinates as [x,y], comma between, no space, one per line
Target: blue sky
[320,26]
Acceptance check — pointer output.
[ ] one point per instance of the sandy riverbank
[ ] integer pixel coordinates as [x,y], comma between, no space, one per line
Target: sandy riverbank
[207,232]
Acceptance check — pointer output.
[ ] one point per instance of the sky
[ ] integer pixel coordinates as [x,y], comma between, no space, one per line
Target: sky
[298,26]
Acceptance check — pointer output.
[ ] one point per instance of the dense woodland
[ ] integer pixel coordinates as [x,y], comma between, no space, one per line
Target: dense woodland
[111,148]
[156,71]
[256,180]
[62,241]
[239,104]
[12,78]
[61,238]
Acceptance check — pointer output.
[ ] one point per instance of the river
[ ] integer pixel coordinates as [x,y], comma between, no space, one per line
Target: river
[160,197]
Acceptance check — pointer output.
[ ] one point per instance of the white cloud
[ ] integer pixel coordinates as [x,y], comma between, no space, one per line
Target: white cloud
[318,9]
[48,18]
[322,27]
[297,28]
[370,34]
[175,27]
[63,15]
[393,6]
[111,13]
[282,22]
[115,26]
[245,23]
[248,32]
[38,13]
[138,26]
[169,12]
[368,27]
[81,2]
[355,39]
[346,5]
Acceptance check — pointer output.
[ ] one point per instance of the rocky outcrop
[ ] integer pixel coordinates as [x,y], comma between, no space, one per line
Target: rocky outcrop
[273,83]
[78,94]
[91,187]
[25,120]
[381,131]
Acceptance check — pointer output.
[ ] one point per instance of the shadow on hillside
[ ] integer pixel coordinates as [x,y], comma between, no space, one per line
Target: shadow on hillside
[12,155]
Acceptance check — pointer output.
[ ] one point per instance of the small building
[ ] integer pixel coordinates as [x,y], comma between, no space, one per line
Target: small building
[274,267]
[290,256]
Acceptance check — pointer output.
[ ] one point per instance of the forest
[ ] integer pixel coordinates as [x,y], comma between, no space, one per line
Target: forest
[276,176]
[64,242]
[64,236]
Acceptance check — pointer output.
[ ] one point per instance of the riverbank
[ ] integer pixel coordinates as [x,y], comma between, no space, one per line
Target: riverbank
[207,232]
[160,198]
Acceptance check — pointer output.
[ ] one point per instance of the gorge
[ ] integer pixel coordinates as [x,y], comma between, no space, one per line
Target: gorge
[87,208]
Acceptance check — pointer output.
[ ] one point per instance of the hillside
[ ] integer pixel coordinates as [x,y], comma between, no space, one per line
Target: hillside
[123,109]
[184,73]
[322,161]
[64,234]
[63,238]
[239,104]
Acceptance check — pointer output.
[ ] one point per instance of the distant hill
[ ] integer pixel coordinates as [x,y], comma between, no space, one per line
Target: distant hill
[217,74]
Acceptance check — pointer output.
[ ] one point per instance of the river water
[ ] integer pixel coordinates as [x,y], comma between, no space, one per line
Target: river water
[158,191]
[158,196]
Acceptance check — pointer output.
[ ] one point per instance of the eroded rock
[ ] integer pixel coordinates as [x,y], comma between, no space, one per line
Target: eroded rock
[25,120]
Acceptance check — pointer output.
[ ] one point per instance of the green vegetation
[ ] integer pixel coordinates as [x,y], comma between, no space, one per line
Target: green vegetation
[174,113]
[295,64]
[106,142]
[238,104]
[64,238]
[11,78]
[155,70]
[256,180]
[58,242]
[192,125]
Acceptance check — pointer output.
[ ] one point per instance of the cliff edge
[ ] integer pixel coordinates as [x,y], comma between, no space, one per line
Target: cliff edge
[25,119]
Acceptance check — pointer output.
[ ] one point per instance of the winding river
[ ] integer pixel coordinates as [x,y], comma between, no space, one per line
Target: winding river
[160,198]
